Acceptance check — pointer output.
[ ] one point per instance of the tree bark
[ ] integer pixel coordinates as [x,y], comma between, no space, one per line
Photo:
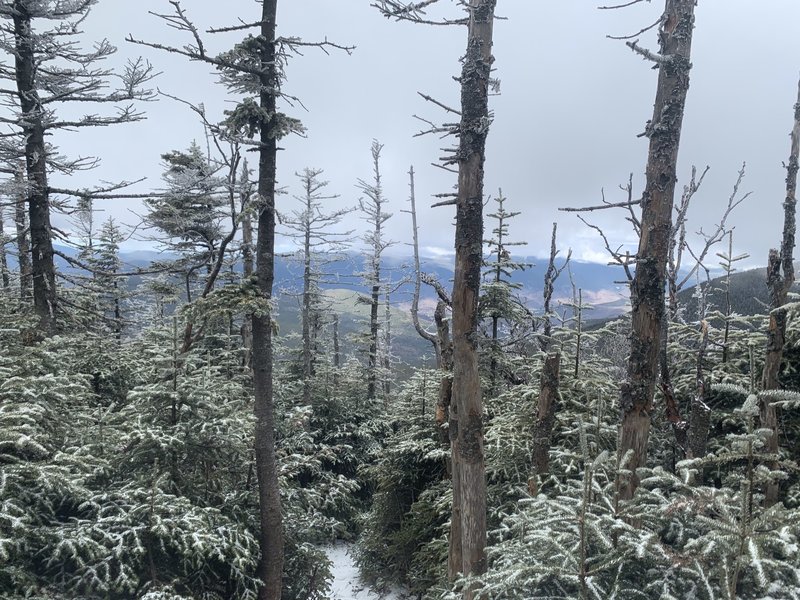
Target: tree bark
[780,277]
[425,335]
[336,354]
[377,217]
[550,276]
[546,418]
[647,287]
[270,568]
[372,364]
[3,259]
[43,270]
[23,241]
[386,361]
[579,333]
[306,310]
[445,368]
[469,473]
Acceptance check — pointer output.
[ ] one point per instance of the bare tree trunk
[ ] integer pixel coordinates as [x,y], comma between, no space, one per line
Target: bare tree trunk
[387,352]
[673,413]
[374,326]
[433,339]
[455,552]
[469,472]
[270,568]
[579,333]
[779,285]
[445,367]
[336,355]
[547,292]
[445,409]
[3,260]
[306,315]
[647,288]
[373,208]
[23,242]
[546,417]
[43,269]
[728,304]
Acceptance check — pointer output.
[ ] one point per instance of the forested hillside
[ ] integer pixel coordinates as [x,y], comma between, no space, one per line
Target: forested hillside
[235,383]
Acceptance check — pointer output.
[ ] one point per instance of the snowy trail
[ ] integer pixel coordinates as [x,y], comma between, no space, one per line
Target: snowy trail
[347,584]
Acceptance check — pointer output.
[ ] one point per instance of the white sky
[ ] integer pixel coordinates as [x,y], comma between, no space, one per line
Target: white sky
[571,105]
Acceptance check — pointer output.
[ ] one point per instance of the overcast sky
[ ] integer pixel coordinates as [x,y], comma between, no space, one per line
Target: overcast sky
[565,124]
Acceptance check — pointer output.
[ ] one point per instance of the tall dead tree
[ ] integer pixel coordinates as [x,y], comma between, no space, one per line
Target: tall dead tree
[433,338]
[372,208]
[311,228]
[386,351]
[647,287]
[23,239]
[442,345]
[551,275]
[545,420]
[780,277]
[3,256]
[468,524]
[473,129]
[686,440]
[677,273]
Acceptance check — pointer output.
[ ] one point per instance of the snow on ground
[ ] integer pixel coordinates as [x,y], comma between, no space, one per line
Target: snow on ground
[347,584]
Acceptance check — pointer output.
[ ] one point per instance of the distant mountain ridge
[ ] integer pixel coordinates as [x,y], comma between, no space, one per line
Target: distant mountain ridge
[603,292]
[601,285]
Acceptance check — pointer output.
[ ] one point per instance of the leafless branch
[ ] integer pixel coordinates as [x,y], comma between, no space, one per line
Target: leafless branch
[618,6]
[647,54]
[625,261]
[638,33]
[440,104]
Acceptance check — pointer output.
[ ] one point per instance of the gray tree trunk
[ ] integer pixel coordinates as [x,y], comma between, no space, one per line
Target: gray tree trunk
[545,420]
[306,309]
[270,568]
[469,473]
[780,277]
[373,209]
[647,287]
[23,243]
[386,359]
[425,335]
[43,269]
[3,259]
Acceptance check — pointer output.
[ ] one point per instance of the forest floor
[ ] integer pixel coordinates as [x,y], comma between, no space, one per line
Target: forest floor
[347,584]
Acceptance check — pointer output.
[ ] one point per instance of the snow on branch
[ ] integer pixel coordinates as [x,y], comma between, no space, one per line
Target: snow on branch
[648,54]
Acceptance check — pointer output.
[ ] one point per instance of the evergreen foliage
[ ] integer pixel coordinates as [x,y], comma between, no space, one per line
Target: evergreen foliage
[127,460]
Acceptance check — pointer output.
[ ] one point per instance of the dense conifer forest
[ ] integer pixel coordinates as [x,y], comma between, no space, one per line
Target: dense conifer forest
[227,420]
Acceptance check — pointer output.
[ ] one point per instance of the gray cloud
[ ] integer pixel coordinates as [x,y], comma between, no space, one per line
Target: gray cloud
[572,103]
